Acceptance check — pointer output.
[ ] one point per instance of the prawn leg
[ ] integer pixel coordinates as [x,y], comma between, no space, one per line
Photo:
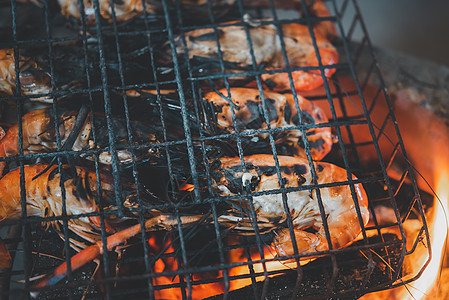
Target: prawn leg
[90,253]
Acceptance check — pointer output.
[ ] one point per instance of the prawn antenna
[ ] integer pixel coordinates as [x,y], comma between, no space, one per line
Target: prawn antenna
[79,122]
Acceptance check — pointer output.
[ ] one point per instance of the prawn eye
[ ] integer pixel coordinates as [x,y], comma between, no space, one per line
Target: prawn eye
[301,180]
[284,181]
[288,113]
[252,179]
[300,169]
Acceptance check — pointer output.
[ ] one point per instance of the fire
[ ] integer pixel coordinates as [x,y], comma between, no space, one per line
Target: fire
[239,255]
[422,288]
[426,286]
[200,291]
[429,277]
[187,187]
[169,263]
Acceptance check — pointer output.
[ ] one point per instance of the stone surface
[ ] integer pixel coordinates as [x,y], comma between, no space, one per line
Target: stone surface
[423,82]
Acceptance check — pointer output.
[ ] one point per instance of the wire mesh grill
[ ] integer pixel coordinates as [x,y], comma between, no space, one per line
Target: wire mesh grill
[120,74]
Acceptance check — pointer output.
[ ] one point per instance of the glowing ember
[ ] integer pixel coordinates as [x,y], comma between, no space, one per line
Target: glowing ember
[186,187]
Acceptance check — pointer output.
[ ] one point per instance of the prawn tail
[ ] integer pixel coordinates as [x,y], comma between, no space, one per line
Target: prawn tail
[306,242]
[343,228]
[329,56]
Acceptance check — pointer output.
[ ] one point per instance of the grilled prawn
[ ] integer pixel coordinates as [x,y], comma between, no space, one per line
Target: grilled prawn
[260,176]
[301,53]
[43,196]
[282,112]
[235,51]
[33,80]
[39,135]
[128,9]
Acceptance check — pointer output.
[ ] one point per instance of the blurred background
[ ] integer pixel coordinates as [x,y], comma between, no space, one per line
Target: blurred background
[416,27]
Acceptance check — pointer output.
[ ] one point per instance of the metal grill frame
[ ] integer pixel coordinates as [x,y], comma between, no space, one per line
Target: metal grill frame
[337,122]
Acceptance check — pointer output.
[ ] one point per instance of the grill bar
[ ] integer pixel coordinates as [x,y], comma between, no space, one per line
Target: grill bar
[390,191]
[176,262]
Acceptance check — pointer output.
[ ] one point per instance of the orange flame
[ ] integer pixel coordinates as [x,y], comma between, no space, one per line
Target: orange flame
[169,263]
[187,187]
[438,235]
[239,255]
[201,291]
[425,287]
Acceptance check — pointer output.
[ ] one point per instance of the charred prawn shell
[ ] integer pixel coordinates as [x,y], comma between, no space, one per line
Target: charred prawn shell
[205,49]
[43,198]
[221,116]
[259,178]
[232,178]
[247,106]
[35,80]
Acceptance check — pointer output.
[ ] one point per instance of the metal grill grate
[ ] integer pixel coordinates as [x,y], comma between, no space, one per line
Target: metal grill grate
[113,58]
